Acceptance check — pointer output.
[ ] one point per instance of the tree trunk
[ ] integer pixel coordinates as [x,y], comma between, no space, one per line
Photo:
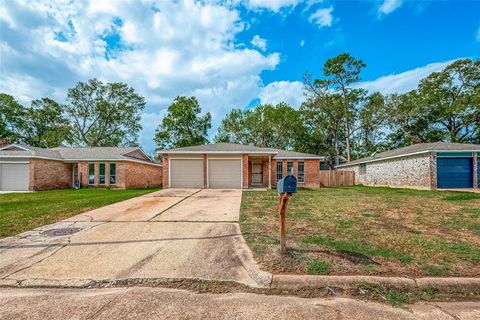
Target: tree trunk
[347,126]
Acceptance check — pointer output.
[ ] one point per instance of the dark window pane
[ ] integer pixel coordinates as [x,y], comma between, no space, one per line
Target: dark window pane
[101,175]
[289,167]
[279,170]
[113,173]
[91,173]
[301,171]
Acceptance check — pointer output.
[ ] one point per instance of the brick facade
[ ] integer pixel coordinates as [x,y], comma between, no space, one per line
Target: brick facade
[49,174]
[128,174]
[417,171]
[165,164]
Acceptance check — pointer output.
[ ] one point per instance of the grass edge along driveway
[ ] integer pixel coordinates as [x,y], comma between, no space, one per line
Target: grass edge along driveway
[366,231]
[20,212]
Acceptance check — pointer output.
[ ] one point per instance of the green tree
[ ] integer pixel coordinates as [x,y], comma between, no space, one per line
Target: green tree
[266,125]
[44,124]
[452,98]
[104,114]
[183,126]
[11,117]
[371,121]
[322,117]
[341,72]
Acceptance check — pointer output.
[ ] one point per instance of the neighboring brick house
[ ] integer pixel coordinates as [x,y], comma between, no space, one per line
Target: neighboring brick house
[425,166]
[31,168]
[225,165]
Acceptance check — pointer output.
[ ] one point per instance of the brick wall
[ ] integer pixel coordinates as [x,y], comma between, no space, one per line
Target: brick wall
[312,173]
[410,171]
[49,174]
[139,175]
[246,171]
[165,164]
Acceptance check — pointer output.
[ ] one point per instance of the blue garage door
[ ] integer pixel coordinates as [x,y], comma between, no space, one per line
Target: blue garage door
[454,172]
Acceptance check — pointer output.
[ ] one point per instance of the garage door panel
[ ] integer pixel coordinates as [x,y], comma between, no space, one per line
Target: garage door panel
[14,176]
[186,173]
[454,173]
[225,173]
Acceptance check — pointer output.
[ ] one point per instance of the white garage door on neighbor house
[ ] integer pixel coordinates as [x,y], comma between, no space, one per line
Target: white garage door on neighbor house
[14,176]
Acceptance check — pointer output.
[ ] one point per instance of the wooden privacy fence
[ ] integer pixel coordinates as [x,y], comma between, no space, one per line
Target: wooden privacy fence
[333,178]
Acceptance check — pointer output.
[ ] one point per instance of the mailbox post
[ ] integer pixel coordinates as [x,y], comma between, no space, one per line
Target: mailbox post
[285,188]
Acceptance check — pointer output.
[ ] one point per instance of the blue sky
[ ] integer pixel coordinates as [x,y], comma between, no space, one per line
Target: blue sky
[229,53]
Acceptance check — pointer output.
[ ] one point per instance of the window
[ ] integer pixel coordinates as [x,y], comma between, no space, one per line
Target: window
[279,170]
[289,167]
[301,171]
[91,173]
[113,173]
[362,168]
[101,174]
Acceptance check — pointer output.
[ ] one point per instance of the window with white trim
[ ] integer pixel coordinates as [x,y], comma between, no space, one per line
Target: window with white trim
[289,167]
[279,170]
[101,173]
[91,173]
[113,173]
[301,171]
[362,169]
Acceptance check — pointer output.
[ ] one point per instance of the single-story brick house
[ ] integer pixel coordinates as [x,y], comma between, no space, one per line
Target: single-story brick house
[225,165]
[30,168]
[425,166]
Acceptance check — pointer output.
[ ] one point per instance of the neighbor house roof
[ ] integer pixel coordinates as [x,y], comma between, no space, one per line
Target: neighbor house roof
[239,149]
[76,154]
[416,149]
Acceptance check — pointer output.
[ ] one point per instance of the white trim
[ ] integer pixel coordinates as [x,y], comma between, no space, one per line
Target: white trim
[24,162]
[241,172]
[217,152]
[299,158]
[404,155]
[14,145]
[76,160]
[185,158]
[223,158]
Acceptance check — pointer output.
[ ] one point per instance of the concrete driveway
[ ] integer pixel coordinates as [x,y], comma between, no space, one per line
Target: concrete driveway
[152,236]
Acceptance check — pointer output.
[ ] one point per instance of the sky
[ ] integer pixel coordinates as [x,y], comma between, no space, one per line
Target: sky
[228,54]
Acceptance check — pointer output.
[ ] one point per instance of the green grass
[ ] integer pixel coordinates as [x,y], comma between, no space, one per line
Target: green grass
[24,211]
[319,267]
[367,230]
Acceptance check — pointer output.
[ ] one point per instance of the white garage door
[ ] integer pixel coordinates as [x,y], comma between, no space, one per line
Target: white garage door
[225,173]
[186,173]
[13,176]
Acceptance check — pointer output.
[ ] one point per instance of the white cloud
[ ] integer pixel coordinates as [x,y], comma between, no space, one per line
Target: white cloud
[322,17]
[272,5]
[162,49]
[388,6]
[259,43]
[403,82]
[290,92]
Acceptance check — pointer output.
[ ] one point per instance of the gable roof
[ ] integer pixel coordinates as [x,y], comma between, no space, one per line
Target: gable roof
[416,149]
[74,153]
[233,148]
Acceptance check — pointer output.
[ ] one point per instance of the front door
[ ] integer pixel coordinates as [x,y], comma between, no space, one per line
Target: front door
[257,174]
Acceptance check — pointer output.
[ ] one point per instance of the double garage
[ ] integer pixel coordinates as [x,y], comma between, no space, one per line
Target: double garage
[14,176]
[214,172]
[456,170]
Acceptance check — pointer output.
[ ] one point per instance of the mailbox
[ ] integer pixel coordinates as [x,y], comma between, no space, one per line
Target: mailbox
[287,184]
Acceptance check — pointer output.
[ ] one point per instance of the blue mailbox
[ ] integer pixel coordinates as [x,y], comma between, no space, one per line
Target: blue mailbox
[287,184]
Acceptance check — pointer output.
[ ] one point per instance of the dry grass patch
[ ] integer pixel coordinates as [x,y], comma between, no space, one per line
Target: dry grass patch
[365,230]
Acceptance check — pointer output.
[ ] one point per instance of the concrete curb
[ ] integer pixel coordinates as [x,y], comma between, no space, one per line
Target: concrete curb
[295,282]
[263,278]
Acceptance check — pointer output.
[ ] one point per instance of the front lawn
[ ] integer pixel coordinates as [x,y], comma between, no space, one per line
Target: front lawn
[367,230]
[24,211]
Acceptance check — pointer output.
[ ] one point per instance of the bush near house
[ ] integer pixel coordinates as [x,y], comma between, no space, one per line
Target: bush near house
[367,230]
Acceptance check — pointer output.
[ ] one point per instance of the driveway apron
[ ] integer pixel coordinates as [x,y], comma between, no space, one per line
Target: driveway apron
[150,237]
